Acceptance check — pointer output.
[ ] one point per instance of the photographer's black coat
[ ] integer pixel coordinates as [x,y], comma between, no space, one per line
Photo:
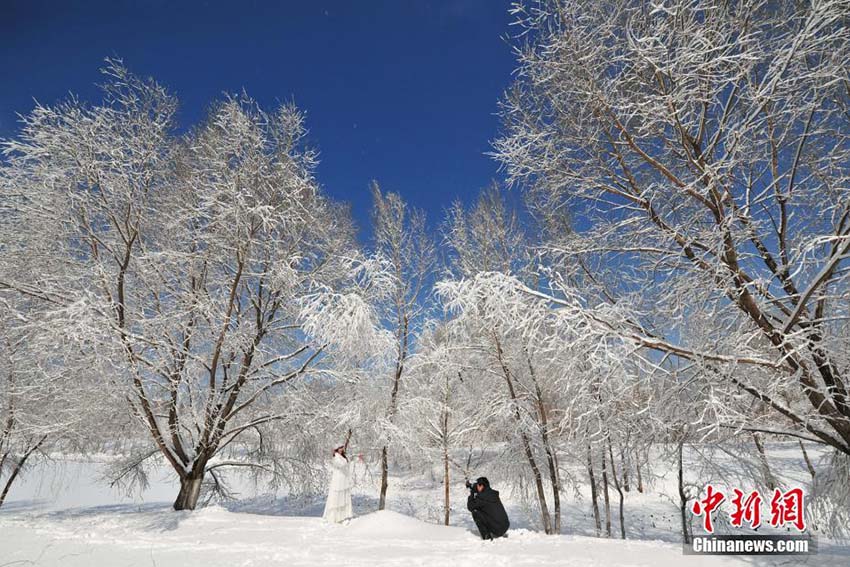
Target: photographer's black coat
[488,512]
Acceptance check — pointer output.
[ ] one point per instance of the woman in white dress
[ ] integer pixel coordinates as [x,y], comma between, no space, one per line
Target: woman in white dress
[338,505]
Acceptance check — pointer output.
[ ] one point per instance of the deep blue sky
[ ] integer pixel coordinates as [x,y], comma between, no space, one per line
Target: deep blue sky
[404,92]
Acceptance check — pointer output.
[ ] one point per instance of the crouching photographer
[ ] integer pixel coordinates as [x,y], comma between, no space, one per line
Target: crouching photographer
[487,509]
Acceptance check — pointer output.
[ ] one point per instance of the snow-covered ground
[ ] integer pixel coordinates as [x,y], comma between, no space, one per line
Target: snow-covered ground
[61,515]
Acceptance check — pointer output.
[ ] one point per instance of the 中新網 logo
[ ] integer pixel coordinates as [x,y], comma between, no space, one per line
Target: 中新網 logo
[786,508]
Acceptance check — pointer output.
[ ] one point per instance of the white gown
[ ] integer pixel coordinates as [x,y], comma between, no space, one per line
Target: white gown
[338,505]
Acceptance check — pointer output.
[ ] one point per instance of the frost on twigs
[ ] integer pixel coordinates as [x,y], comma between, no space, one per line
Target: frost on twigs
[690,160]
[347,322]
[181,264]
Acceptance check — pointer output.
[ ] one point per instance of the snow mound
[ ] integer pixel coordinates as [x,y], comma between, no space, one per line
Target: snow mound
[386,524]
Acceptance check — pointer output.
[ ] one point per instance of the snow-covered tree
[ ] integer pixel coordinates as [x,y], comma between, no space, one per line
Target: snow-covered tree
[486,237]
[442,415]
[707,147]
[49,398]
[488,245]
[207,269]
[402,239]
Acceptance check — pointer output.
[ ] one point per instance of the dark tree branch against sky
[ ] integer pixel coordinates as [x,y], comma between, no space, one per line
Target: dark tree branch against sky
[402,92]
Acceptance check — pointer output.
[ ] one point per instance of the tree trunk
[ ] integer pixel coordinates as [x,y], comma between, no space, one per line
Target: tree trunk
[446,483]
[526,444]
[399,369]
[382,502]
[190,487]
[683,499]
[447,504]
[619,489]
[625,464]
[17,470]
[769,479]
[808,461]
[551,458]
[556,487]
[639,477]
[594,495]
[538,482]
[607,499]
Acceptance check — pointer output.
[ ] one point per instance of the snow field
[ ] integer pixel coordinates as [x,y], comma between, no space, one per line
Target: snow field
[60,515]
